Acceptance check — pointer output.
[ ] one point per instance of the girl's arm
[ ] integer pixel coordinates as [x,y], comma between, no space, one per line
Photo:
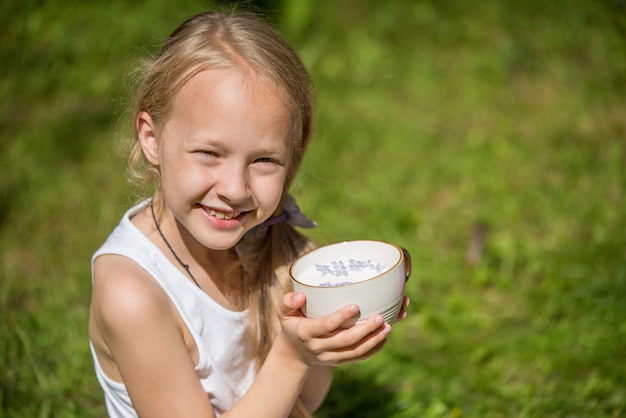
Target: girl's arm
[320,378]
[139,330]
[303,348]
[316,387]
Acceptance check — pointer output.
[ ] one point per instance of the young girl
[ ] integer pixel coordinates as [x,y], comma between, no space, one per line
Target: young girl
[192,314]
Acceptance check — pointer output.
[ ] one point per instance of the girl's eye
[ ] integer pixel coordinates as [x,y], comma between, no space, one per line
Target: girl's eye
[209,154]
[267,160]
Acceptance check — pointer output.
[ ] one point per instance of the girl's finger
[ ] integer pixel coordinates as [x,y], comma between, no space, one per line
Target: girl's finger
[290,303]
[359,334]
[330,324]
[364,348]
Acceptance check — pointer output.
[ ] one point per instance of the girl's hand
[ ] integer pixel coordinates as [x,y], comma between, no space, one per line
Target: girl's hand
[320,341]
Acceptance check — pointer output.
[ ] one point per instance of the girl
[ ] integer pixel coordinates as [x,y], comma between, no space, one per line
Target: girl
[192,314]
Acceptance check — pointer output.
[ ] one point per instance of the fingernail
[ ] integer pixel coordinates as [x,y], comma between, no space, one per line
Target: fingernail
[354,309]
[379,320]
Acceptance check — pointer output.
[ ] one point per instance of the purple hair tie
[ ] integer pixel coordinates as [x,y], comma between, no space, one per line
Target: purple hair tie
[256,236]
[292,214]
[276,219]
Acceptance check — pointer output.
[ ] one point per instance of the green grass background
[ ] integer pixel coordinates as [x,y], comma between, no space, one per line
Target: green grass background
[433,116]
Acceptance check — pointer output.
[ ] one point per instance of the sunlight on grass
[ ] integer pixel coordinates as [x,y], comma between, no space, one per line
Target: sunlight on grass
[433,117]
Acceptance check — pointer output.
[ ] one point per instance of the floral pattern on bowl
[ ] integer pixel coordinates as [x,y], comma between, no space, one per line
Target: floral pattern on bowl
[339,268]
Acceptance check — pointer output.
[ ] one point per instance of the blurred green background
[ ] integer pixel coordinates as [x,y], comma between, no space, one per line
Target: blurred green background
[441,125]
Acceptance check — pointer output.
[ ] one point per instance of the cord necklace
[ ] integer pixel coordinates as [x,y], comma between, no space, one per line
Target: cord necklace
[185,266]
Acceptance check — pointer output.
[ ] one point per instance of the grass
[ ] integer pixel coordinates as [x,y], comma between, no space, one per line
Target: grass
[432,117]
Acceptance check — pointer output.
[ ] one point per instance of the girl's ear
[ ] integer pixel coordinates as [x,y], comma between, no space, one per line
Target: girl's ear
[147,137]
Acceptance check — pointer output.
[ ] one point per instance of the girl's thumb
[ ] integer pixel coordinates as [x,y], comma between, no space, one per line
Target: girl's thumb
[291,302]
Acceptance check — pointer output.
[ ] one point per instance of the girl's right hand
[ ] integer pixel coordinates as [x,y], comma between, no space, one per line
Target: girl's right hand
[320,341]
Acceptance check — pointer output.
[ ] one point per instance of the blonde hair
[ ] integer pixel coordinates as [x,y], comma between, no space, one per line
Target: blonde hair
[225,40]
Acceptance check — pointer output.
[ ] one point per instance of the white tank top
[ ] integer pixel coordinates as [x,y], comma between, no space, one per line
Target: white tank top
[226,364]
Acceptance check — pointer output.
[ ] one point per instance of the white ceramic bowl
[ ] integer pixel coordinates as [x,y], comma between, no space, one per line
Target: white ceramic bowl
[371,274]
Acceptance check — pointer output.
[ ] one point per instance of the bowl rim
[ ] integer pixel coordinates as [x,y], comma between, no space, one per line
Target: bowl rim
[293,264]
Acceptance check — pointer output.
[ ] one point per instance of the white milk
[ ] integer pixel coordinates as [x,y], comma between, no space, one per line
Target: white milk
[341,272]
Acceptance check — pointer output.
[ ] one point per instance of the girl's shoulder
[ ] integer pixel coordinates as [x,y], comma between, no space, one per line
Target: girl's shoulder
[123,291]
[129,314]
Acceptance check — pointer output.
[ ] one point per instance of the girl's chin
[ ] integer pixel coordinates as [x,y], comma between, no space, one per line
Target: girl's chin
[224,240]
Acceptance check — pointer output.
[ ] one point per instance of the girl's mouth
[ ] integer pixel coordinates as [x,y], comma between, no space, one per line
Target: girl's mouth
[221,215]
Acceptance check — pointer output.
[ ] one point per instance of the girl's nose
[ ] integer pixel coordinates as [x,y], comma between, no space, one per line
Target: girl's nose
[232,185]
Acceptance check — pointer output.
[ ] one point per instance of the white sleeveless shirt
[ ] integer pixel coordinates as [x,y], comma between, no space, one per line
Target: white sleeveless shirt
[226,365]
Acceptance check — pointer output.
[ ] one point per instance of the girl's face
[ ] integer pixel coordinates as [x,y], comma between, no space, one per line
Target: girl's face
[223,155]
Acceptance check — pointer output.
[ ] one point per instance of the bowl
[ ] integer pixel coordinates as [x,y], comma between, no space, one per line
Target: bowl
[369,273]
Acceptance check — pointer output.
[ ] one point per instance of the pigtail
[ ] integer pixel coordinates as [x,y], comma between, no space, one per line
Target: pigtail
[265,255]
[287,244]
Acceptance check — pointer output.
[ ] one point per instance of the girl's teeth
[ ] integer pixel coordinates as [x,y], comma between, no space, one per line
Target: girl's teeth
[222,215]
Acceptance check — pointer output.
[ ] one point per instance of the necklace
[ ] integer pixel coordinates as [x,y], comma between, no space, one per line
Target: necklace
[185,266]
